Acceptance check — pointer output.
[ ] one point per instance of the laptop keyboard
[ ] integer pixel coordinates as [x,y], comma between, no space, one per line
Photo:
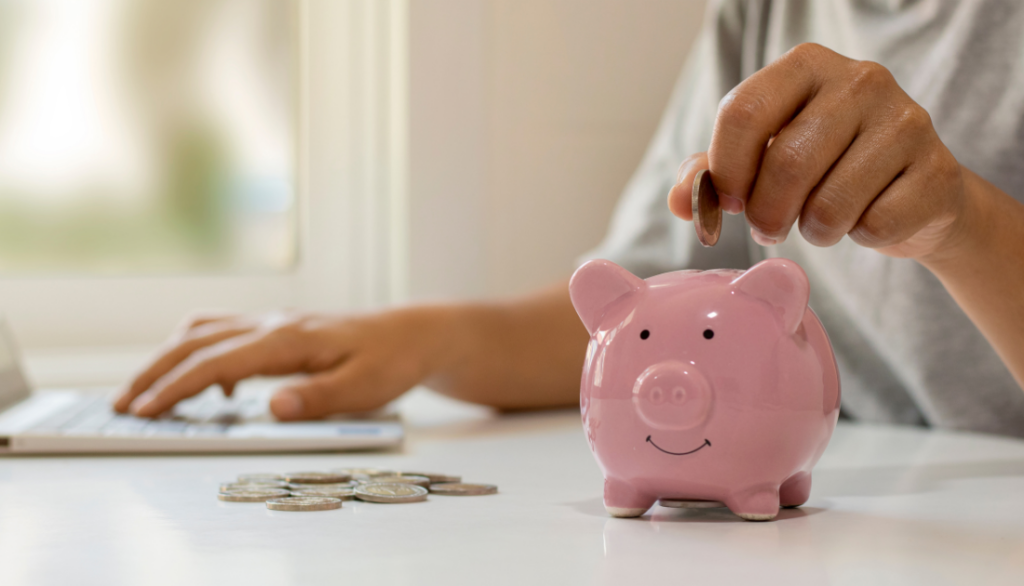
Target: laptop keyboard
[207,415]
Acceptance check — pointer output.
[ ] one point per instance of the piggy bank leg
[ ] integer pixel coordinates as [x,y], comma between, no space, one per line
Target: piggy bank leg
[622,500]
[755,504]
[795,491]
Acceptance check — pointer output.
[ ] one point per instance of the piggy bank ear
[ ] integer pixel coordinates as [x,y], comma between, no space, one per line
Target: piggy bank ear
[780,283]
[598,284]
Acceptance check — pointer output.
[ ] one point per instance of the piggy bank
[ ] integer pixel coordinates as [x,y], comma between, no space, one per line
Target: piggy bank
[705,386]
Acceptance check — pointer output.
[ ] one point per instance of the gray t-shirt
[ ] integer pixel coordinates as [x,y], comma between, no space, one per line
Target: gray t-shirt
[907,353]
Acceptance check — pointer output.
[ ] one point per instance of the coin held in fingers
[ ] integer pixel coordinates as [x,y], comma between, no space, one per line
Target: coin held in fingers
[707,211]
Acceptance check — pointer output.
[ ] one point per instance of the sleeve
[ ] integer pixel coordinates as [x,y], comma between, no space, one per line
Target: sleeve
[644,237]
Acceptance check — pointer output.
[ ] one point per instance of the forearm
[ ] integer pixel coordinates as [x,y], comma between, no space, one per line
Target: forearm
[522,354]
[984,269]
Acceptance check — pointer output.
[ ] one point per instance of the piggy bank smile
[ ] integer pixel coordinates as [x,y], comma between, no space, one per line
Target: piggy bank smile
[706,444]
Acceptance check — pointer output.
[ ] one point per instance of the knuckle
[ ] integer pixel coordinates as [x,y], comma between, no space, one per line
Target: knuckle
[787,161]
[821,223]
[874,230]
[870,77]
[740,109]
[913,119]
[807,53]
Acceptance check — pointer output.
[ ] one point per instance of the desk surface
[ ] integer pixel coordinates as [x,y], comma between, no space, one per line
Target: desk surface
[889,506]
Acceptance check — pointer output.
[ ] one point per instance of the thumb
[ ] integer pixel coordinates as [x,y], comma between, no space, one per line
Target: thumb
[352,386]
[679,196]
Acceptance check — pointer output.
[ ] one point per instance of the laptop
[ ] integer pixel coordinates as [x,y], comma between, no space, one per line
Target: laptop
[69,421]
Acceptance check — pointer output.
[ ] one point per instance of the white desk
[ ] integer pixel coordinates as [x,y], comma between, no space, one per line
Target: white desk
[889,506]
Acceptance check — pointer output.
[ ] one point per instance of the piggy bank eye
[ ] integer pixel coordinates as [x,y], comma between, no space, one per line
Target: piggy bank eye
[708,334]
[645,334]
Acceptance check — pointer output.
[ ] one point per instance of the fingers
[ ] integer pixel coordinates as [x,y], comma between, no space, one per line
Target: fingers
[908,217]
[680,197]
[207,333]
[759,108]
[836,204]
[224,363]
[356,385]
[794,163]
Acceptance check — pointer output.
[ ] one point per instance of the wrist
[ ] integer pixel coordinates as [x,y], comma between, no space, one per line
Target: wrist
[971,232]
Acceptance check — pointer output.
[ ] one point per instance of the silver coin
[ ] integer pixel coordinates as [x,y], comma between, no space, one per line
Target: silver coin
[253,485]
[462,489]
[690,504]
[252,496]
[345,494]
[434,476]
[317,477]
[392,492]
[304,503]
[402,479]
[363,473]
[335,485]
[707,212]
[260,477]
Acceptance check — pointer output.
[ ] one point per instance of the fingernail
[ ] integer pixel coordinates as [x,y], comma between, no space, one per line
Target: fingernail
[287,404]
[761,238]
[731,204]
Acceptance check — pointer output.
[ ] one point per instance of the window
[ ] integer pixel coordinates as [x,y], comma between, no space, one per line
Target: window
[156,157]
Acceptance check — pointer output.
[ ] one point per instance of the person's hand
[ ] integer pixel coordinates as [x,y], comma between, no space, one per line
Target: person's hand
[837,146]
[353,363]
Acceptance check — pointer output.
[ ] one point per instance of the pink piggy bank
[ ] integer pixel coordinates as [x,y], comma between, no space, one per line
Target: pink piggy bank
[704,386]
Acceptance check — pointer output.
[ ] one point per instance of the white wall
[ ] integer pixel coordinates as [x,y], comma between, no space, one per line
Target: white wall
[527,118]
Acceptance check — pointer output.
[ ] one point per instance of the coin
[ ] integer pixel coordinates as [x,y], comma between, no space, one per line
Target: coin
[690,504]
[260,477]
[707,213]
[336,485]
[345,494]
[401,479]
[304,503]
[317,477]
[253,485]
[363,473]
[461,489]
[252,496]
[392,492]
[434,476]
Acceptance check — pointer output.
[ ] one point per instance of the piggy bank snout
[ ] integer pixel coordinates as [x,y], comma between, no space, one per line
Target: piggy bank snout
[672,396]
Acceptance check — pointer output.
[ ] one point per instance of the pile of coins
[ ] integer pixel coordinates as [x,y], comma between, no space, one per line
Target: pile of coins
[324,491]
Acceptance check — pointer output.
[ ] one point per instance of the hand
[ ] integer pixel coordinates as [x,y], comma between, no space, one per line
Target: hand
[354,363]
[834,144]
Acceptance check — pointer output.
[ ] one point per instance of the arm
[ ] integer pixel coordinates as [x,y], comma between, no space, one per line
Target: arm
[520,355]
[983,269]
[514,355]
